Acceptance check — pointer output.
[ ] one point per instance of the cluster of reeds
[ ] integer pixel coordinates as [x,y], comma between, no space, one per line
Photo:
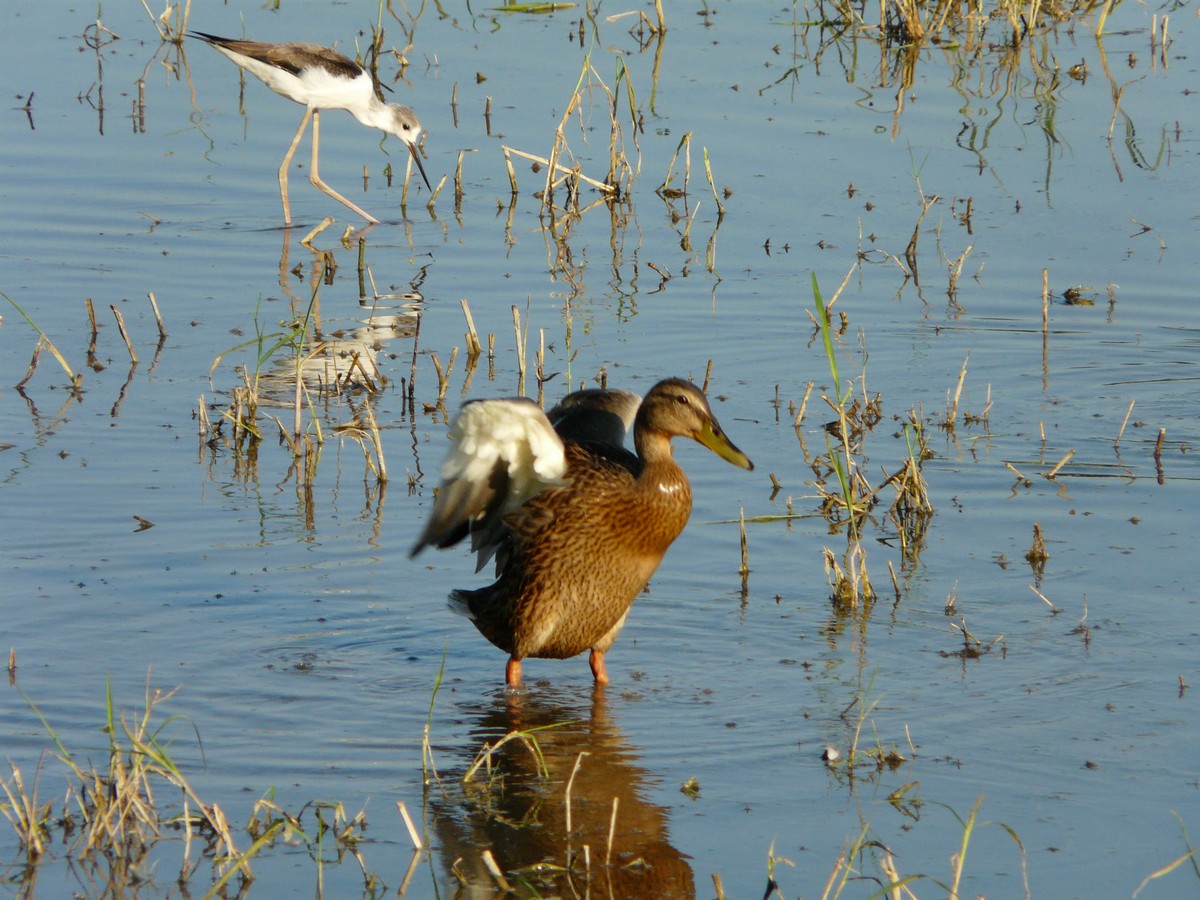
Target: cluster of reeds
[114,824]
[74,378]
[112,819]
[315,375]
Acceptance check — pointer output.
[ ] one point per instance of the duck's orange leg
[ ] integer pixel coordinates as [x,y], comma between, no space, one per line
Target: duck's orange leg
[596,661]
[512,672]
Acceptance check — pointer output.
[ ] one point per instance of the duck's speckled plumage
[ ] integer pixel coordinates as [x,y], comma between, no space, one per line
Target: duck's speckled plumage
[572,558]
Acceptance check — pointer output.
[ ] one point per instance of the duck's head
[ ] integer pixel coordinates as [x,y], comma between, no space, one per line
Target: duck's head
[677,408]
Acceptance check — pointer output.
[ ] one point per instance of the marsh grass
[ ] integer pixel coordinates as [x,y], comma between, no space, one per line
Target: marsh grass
[44,341]
[111,819]
[313,374]
[115,824]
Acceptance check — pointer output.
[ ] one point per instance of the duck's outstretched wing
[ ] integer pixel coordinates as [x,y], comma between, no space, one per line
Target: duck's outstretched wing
[503,452]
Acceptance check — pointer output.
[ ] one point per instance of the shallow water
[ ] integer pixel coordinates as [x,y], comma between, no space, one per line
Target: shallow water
[305,645]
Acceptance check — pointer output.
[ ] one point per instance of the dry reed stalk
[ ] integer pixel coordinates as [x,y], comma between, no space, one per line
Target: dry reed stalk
[202,418]
[540,373]
[895,582]
[1124,422]
[458,188]
[718,886]
[567,791]
[803,405]
[33,361]
[744,569]
[494,870]
[516,314]
[512,175]
[716,196]
[557,168]
[1037,554]
[707,375]
[1045,600]
[473,346]
[162,331]
[665,190]
[612,830]
[910,252]
[91,311]
[443,376]
[376,442]
[418,844]
[955,270]
[1062,462]
[1045,303]
[317,229]
[124,334]
[952,412]
[1158,445]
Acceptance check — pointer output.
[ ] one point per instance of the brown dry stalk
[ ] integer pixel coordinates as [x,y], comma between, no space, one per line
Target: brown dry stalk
[1124,422]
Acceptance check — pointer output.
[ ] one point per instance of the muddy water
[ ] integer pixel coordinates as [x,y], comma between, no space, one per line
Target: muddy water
[306,646]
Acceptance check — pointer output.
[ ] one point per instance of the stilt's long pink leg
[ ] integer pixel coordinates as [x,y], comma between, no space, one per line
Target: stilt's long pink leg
[287,161]
[314,175]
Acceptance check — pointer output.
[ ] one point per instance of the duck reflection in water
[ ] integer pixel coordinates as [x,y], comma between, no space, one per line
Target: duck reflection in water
[519,812]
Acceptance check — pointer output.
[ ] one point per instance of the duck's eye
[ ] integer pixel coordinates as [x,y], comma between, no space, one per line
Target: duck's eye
[682,398]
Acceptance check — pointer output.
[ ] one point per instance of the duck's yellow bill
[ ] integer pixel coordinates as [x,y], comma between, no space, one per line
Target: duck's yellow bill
[712,437]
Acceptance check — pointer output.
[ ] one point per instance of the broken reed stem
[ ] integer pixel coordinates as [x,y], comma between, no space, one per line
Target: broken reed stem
[512,175]
[803,405]
[444,374]
[473,346]
[1045,302]
[202,418]
[1062,462]
[33,361]
[1158,445]
[418,844]
[716,196]
[458,188]
[570,783]
[598,185]
[376,442]
[744,570]
[494,870]
[685,146]
[516,313]
[1124,422]
[612,830]
[91,311]
[124,334]
[952,414]
[1045,599]
[162,331]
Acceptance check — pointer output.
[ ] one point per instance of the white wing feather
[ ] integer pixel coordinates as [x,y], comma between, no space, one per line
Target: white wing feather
[516,431]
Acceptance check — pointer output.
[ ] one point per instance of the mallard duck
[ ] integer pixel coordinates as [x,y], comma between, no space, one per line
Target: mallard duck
[577,523]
